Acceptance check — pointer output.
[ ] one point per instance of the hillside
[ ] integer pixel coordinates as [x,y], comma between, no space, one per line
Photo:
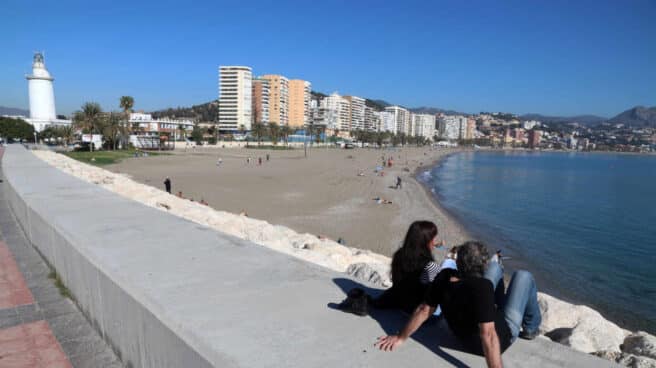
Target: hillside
[434,110]
[207,112]
[637,116]
[13,111]
[579,119]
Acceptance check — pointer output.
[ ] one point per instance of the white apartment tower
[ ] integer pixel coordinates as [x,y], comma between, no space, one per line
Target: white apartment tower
[356,112]
[402,119]
[235,98]
[338,108]
[423,125]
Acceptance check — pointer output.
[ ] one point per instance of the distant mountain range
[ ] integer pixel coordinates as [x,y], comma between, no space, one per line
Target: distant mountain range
[637,116]
[13,111]
[434,110]
[580,119]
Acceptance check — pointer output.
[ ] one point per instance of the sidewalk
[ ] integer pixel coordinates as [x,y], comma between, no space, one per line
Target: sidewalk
[38,326]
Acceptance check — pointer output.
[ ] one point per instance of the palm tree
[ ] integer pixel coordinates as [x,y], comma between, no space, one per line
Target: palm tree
[274,133]
[258,130]
[126,103]
[87,119]
[285,132]
[112,128]
[67,133]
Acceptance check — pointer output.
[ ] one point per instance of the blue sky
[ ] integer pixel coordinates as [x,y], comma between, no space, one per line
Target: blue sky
[552,57]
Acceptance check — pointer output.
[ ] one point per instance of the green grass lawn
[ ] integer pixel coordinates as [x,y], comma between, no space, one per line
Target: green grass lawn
[100,158]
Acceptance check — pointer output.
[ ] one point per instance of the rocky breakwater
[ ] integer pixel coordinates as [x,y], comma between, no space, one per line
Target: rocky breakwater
[577,326]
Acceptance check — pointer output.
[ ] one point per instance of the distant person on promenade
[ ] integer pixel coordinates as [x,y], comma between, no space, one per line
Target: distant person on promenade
[484,325]
[398,182]
[413,269]
[267,157]
[259,161]
[167,185]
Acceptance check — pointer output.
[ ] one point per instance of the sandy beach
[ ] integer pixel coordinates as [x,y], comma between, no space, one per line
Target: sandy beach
[322,194]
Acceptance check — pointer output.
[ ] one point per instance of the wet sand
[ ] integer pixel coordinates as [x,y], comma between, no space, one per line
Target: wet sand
[322,194]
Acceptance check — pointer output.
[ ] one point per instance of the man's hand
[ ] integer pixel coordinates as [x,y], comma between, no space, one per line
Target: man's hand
[389,343]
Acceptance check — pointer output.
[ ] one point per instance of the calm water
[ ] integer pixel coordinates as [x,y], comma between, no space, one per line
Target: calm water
[584,224]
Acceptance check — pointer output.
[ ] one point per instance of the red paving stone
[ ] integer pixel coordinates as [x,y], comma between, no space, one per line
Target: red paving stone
[31,345]
[13,289]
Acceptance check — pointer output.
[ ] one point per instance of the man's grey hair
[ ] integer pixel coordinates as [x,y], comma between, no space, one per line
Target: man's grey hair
[472,259]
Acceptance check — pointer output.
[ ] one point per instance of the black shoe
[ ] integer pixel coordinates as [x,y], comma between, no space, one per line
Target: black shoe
[357,302]
[528,335]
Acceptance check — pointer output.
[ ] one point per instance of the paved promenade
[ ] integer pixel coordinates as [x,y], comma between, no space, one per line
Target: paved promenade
[38,326]
[171,293]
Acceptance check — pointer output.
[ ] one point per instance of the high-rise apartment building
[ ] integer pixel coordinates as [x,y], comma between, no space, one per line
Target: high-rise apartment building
[278,98]
[260,100]
[235,98]
[423,125]
[387,121]
[534,138]
[371,119]
[452,127]
[470,129]
[299,103]
[402,119]
[356,112]
[338,108]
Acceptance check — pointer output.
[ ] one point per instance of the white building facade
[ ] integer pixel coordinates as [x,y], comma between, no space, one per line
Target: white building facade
[387,121]
[356,112]
[452,127]
[401,118]
[235,98]
[423,125]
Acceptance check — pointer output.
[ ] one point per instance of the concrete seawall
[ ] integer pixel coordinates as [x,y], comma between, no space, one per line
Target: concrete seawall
[166,292]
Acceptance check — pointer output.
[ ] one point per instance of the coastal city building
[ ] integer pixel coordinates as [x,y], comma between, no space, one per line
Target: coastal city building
[423,125]
[235,98]
[470,129]
[387,121]
[356,112]
[338,110]
[260,100]
[42,96]
[147,132]
[530,124]
[401,119]
[299,103]
[371,119]
[452,127]
[278,98]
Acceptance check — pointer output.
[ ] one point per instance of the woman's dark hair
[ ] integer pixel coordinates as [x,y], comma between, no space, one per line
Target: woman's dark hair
[472,259]
[414,254]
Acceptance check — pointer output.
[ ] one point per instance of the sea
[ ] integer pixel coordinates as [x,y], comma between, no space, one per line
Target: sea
[583,223]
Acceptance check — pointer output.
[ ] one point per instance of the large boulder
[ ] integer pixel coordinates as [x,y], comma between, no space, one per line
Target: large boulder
[633,361]
[579,327]
[641,344]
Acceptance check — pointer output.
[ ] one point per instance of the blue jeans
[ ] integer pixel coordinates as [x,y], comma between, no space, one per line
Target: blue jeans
[520,303]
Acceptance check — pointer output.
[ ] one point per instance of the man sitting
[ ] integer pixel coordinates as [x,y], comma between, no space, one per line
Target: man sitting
[485,324]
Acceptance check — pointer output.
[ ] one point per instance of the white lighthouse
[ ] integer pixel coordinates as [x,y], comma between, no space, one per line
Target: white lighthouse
[42,96]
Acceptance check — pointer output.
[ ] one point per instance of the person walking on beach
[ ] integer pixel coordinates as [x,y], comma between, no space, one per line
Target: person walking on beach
[219,161]
[398,182]
[167,185]
[267,157]
[484,325]
[259,161]
[248,160]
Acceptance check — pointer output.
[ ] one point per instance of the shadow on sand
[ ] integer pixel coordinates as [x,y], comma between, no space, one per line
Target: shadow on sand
[432,334]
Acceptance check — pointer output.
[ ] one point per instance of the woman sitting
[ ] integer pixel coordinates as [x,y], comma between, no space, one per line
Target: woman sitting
[413,269]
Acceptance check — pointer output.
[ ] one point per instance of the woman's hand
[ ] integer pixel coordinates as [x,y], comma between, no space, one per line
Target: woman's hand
[389,343]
